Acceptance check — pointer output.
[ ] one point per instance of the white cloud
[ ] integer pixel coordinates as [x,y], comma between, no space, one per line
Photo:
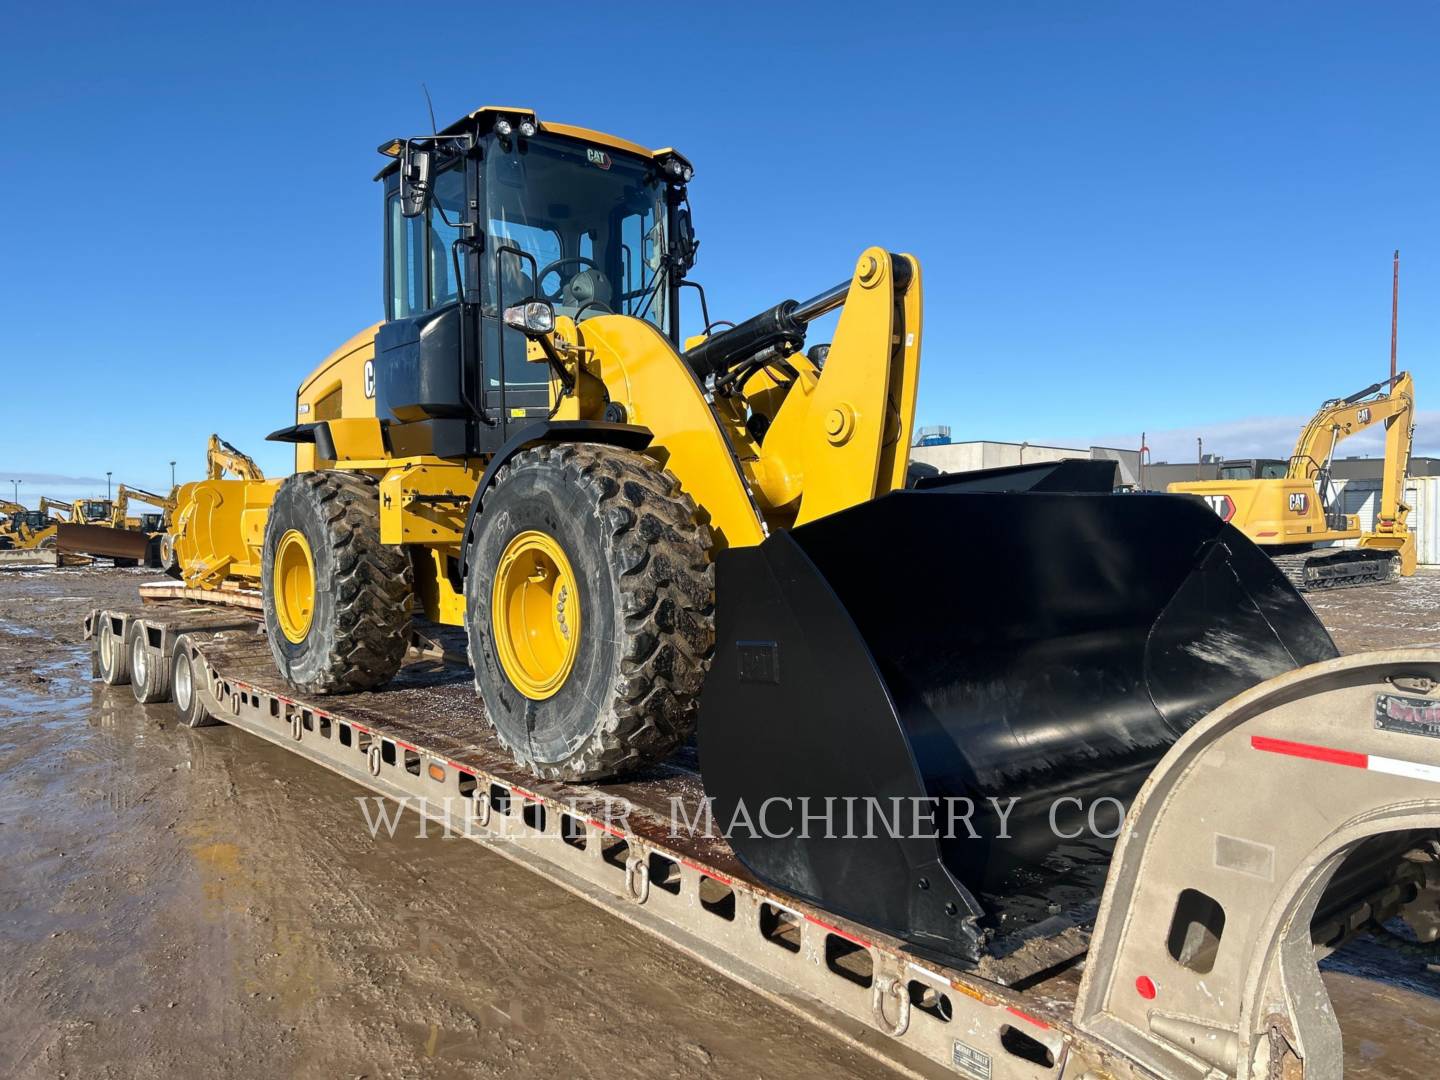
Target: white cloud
[1259,436]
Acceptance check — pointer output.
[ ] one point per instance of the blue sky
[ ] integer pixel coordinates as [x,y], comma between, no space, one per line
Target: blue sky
[1169,218]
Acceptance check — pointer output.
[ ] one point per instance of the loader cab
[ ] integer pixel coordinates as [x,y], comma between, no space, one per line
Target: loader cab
[31,520]
[94,510]
[494,211]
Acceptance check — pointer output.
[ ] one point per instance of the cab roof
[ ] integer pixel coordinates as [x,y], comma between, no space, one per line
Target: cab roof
[484,118]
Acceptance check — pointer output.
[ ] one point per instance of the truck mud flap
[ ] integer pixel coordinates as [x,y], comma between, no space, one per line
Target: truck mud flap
[1011,664]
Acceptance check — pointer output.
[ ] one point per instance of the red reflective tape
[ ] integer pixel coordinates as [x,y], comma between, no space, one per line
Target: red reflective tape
[708,873]
[1027,1017]
[836,930]
[360,727]
[1272,533]
[525,794]
[1310,752]
[407,746]
[606,828]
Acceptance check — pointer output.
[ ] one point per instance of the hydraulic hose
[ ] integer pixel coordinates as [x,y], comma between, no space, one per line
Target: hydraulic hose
[780,329]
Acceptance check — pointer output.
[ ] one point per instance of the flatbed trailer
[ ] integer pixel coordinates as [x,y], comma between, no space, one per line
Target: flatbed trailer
[1198,866]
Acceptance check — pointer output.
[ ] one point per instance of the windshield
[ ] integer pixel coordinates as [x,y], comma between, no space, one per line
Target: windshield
[96,509]
[592,220]
[1269,470]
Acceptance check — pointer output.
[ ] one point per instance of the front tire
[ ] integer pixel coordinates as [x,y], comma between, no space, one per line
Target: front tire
[590,610]
[337,601]
[169,560]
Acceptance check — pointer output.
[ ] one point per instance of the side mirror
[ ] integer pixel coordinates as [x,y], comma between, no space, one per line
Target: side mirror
[415,163]
[685,242]
[533,318]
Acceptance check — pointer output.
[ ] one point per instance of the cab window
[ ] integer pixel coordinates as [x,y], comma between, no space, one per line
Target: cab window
[422,260]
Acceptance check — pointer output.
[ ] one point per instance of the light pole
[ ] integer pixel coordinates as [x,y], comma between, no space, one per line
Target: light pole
[17,484]
[107,487]
[172,474]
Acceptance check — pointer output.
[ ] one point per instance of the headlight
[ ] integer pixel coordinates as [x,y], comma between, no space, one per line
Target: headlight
[527,128]
[502,127]
[531,317]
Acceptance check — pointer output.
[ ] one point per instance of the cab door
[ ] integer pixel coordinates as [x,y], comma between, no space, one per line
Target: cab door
[428,352]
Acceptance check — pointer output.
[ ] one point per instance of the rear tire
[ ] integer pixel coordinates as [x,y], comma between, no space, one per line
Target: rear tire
[149,670]
[644,605]
[111,659]
[186,688]
[353,631]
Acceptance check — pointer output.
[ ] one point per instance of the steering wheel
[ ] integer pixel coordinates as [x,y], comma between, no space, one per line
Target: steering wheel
[554,266]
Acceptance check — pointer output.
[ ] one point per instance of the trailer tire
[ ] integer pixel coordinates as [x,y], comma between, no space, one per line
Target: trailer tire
[616,526]
[111,659]
[352,631]
[149,670]
[185,687]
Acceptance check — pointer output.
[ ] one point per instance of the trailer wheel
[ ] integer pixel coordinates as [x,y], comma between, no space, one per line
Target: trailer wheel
[110,655]
[149,674]
[337,600]
[186,689]
[589,608]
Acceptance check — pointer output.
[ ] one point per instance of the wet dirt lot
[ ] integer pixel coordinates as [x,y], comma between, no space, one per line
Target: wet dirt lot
[179,902]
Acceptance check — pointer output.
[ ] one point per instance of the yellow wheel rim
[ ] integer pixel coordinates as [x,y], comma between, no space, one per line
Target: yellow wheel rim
[294,585]
[535,614]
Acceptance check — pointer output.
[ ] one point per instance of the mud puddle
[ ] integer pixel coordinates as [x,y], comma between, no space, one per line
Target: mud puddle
[185,903]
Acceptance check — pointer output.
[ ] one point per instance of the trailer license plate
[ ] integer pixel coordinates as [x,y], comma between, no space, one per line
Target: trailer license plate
[973,1063]
[1411,716]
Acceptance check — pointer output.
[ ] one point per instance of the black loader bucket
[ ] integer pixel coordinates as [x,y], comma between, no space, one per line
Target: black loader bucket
[942,645]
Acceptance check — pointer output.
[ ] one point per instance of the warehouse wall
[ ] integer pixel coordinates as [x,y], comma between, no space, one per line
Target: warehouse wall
[1423,495]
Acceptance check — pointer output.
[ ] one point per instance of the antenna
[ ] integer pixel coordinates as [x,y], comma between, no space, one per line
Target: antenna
[1394,315]
[434,130]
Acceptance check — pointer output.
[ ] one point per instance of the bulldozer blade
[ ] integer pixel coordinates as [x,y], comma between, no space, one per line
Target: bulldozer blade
[945,652]
[102,540]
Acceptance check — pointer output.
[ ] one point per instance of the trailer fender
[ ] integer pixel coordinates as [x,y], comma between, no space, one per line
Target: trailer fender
[628,436]
[1273,825]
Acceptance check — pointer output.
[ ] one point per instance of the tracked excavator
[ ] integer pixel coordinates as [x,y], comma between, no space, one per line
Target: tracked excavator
[1290,509]
[641,532]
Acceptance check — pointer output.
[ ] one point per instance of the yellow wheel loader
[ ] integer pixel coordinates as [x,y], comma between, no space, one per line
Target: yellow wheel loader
[634,531]
[24,529]
[1289,511]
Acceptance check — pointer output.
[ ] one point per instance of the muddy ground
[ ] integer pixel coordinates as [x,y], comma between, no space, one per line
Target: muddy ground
[185,903]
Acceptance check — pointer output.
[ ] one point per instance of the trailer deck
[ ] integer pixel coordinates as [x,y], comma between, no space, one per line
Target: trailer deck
[423,741]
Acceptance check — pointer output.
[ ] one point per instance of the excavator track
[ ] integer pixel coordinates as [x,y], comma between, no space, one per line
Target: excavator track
[1338,568]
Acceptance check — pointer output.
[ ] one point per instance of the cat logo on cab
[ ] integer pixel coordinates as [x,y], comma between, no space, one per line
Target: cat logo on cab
[599,158]
[1299,502]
